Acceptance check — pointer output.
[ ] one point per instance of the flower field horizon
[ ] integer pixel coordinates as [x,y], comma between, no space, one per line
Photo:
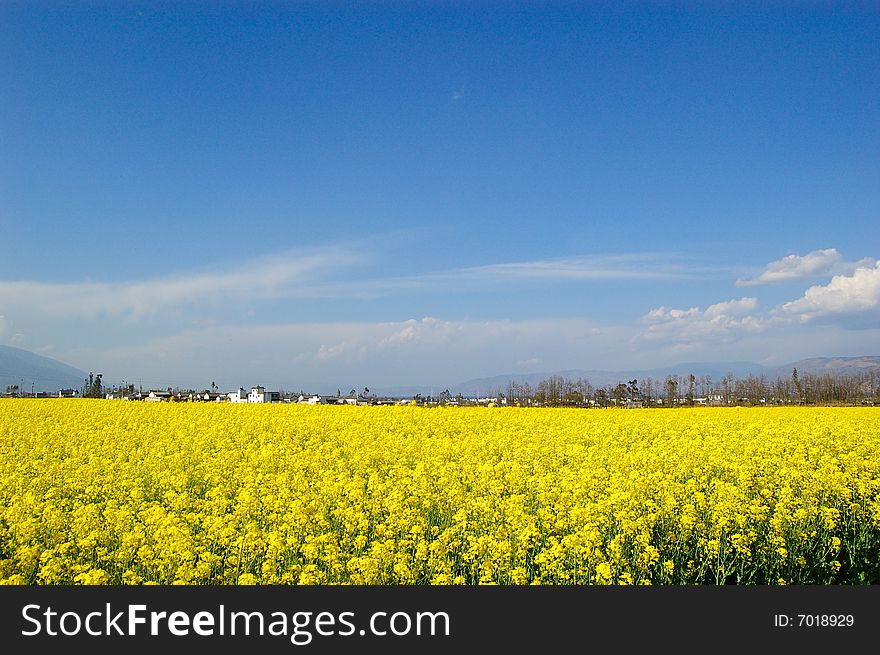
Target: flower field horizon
[98,492]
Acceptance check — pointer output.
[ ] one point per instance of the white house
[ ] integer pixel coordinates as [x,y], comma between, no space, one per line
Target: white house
[237,396]
[260,395]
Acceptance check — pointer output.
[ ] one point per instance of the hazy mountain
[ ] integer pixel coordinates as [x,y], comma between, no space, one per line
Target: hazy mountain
[29,370]
[833,365]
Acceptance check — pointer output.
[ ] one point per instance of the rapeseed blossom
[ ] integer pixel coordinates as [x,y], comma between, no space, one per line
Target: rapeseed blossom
[98,492]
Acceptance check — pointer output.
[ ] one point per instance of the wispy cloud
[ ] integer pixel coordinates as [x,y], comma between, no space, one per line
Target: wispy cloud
[319,273]
[795,267]
[645,266]
[635,266]
[284,274]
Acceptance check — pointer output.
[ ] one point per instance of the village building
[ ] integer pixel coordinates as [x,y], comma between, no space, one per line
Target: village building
[260,395]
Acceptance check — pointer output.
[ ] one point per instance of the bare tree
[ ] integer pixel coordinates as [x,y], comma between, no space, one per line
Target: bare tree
[671,390]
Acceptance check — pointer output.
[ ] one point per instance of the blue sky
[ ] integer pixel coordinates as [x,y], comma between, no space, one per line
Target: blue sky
[420,193]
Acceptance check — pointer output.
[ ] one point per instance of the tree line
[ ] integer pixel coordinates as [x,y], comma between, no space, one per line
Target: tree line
[690,389]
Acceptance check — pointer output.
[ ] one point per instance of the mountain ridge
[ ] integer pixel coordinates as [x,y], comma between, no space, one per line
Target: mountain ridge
[29,371]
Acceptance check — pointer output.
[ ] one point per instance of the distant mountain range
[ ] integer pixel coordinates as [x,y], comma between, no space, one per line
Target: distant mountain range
[29,370]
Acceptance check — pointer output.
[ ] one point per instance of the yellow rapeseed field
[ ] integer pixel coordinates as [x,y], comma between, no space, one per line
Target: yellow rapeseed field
[124,492]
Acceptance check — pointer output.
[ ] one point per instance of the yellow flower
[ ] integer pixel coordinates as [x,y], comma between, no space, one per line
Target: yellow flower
[93,577]
[101,492]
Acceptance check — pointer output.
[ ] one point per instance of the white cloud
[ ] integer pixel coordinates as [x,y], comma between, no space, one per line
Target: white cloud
[731,308]
[413,331]
[326,352]
[795,267]
[722,320]
[845,294]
